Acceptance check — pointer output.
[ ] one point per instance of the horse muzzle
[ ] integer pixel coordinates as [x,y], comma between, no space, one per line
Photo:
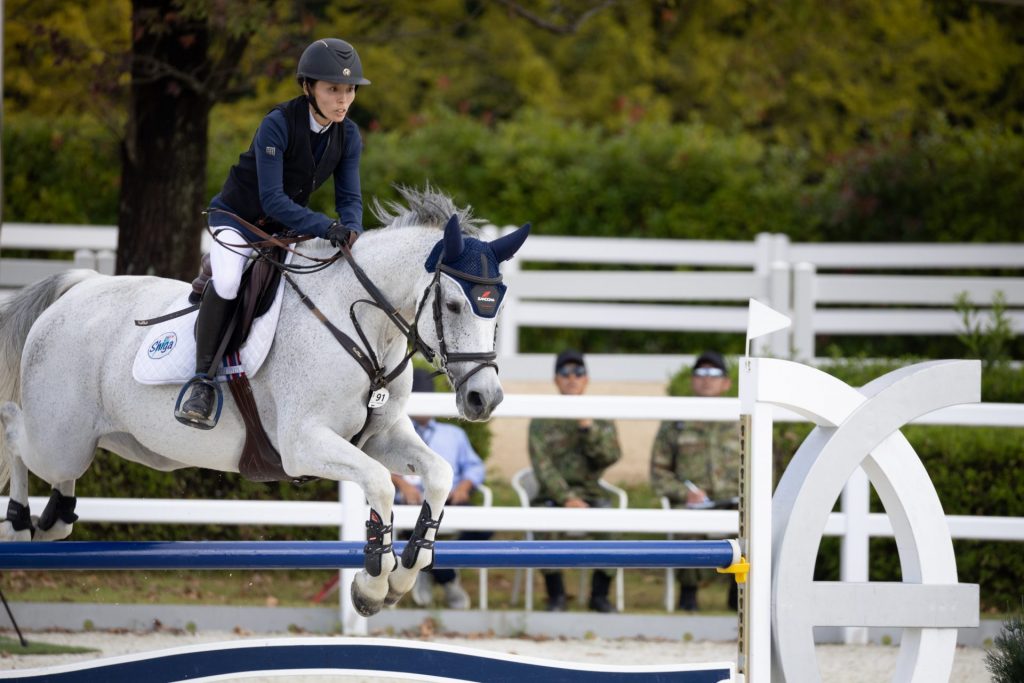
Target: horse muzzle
[477,398]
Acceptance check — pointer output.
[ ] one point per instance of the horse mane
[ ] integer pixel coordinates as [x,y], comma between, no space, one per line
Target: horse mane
[428,207]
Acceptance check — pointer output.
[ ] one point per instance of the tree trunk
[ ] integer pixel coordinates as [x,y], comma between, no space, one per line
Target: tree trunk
[163,156]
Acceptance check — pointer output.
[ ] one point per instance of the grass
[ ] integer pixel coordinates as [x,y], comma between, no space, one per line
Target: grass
[645,588]
[14,647]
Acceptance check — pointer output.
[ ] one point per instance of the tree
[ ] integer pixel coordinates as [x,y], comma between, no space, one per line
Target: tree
[176,76]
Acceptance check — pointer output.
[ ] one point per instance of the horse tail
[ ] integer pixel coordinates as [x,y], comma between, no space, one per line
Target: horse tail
[17,315]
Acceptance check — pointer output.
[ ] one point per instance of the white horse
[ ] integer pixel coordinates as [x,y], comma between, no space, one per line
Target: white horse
[67,344]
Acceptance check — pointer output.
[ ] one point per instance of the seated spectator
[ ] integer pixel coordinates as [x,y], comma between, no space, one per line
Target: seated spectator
[697,464]
[451,443]
[568,458]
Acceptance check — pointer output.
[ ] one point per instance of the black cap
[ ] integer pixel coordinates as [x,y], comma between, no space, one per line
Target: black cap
[422,380]
[569,356]
[712,358]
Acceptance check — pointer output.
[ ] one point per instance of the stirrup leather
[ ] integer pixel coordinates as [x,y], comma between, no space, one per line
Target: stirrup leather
[418,541]
[375,547]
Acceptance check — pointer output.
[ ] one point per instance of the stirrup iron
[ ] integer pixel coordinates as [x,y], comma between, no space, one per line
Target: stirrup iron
[192,420]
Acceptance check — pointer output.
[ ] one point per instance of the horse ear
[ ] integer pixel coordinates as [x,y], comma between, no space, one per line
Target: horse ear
[505,247]
[452,239]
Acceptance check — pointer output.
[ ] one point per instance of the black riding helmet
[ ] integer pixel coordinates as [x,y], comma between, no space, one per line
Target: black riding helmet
[332,60]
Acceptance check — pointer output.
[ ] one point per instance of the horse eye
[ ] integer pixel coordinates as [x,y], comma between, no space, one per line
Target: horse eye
[453,307]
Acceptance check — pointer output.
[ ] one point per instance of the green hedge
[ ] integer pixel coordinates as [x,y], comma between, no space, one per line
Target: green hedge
[654,180]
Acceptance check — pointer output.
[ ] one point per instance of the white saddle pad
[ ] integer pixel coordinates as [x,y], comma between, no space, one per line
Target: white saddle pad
[168,353]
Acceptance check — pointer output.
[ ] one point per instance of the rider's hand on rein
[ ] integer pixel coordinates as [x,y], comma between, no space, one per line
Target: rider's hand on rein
[339,234]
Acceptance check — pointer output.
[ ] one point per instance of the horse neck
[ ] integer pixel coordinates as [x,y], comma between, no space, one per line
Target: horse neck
[393,261]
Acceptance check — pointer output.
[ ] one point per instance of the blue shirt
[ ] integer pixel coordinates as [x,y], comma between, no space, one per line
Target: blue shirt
[348,200]
[452,444]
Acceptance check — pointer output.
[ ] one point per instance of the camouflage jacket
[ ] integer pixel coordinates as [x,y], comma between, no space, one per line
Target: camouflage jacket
[706,453]
[568,461]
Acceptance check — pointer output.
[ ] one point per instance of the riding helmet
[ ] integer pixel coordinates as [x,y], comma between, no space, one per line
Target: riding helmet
[332,60]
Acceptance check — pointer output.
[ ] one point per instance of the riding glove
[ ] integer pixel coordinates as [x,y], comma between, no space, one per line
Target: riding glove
[339,234]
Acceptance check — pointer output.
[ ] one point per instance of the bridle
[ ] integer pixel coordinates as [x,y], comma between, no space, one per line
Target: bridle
[440,359]
[484,359]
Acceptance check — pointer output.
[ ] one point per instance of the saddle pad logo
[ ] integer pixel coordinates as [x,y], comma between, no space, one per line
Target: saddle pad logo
[485,299]
[162,346]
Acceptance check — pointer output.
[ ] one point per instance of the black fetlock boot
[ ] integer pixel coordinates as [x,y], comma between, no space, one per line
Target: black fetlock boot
[214,316]
[556,591]
[599,592]
[418,540]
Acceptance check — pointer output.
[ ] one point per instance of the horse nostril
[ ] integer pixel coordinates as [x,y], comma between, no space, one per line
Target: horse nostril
[475,400]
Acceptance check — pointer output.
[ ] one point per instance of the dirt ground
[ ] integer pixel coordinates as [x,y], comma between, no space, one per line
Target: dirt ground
[838,663]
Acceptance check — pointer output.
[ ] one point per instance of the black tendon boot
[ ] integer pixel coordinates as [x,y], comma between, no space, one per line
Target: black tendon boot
[213,318]
[556,591]
[599,592]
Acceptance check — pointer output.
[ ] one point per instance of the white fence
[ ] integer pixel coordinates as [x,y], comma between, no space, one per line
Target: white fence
[697,286]
[855,525]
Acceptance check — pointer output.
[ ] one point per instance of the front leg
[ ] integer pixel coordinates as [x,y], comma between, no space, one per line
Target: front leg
[402,451]
[315,450]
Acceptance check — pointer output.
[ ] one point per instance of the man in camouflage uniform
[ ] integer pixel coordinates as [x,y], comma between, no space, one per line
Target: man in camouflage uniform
[568,458]
[697,464]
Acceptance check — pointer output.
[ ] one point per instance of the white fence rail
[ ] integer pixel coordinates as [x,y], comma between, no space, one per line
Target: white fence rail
[701,286]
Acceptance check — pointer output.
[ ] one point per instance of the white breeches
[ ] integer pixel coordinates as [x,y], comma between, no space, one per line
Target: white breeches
[228,264]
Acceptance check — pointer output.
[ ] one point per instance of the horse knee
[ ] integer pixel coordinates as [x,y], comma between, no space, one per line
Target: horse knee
[379,490]
[437,483]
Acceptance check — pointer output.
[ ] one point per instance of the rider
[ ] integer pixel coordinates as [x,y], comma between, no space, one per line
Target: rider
[296,147]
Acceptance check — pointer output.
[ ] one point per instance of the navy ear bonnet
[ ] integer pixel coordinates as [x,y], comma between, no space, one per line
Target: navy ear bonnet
[477,272]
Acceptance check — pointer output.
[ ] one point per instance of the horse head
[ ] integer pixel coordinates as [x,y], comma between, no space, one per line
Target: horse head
[467,292]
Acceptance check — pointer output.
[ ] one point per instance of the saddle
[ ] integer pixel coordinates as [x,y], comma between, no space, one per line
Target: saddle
[260,461]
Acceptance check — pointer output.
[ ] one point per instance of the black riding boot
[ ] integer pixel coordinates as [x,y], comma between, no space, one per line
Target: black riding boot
[556,591]
[599,592]
[214,315]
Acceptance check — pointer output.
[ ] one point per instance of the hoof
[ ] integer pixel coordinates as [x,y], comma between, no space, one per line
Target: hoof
[7,533]
[365,606]
[368,593]
[392,598]
[58,532]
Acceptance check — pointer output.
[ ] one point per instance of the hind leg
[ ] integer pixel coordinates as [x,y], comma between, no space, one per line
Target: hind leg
[17,526]
[55,452]
[58,518]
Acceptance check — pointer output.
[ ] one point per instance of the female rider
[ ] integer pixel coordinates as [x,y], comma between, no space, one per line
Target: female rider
[297,146]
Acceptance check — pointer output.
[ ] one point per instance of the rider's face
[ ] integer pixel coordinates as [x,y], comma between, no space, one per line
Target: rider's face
[334,100]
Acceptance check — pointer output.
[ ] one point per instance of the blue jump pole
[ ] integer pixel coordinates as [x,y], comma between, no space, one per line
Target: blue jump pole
[155,555]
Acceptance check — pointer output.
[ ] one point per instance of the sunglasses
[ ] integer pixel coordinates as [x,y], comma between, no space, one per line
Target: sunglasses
[708,372]
[574,371]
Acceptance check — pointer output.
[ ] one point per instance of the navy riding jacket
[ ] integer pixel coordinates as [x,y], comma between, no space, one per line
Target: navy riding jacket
[286,162]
